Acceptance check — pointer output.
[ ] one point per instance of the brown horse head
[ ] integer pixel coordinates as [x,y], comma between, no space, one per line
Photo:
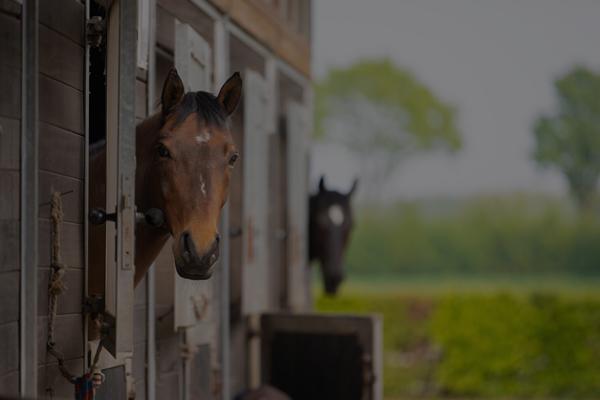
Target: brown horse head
[189,168]
[330,224]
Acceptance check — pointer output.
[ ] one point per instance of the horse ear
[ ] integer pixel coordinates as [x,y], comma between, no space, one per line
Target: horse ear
[322,184]
[230,94]
[172,92]
[353,188]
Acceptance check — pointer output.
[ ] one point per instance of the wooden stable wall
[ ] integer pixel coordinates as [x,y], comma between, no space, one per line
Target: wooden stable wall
[10,136]
[140,325]
[61,168]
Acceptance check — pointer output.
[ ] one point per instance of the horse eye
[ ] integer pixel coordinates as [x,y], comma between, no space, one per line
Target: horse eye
[234,157]
[163,151]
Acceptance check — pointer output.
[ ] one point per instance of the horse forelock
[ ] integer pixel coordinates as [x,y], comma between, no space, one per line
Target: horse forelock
[206,107]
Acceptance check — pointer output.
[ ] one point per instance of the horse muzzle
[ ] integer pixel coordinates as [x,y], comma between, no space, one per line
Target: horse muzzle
[189,264]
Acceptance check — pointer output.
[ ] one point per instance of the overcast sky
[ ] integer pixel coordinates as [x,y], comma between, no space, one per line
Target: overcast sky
[494,59]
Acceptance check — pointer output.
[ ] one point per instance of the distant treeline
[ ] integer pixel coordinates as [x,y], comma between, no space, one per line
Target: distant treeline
[514,236]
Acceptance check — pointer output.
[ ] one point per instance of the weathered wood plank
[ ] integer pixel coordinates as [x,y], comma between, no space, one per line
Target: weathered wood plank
[12,7]
[140,292]
[10,145]
[167,386]
[9,248]
[9,348]
[9,195]
[9,296]
[71,244]
[49,376]
[61,58]
[72,202]
[199,387]
[10,41]
[70,300]
[168,355]
[140,328]
[10,82]
[116,389]
[243,57]
[165,267]
[61,151]
[140,388]
[9,384]
[61,105]
[140,99]
[278,34]
[64,16]
[289,90]
[139,370]
[165,29]
[187,12]
[68,335]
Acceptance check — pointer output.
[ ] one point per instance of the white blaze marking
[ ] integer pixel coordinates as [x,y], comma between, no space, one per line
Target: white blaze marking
[202,187]
[203,137]
[336,214]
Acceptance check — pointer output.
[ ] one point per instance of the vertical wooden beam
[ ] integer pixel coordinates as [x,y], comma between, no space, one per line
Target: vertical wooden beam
[86,183]
[29,198]
[221,57]
[150,280]
[126,176]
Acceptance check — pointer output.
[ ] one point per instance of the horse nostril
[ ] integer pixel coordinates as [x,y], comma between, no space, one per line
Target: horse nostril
[188,247]
[218,238]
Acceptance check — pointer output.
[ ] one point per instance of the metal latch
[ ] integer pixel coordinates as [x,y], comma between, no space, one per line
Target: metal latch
[153,217]
[95,31]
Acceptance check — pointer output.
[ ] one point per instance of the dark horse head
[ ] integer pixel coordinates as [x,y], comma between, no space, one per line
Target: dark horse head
[330,224]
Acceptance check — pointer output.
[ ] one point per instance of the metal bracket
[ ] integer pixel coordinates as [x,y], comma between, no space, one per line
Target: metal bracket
[98,216]
[153,217]
[95,31]
[95,307]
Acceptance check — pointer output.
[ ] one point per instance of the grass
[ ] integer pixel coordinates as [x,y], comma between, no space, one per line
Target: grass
[483,337]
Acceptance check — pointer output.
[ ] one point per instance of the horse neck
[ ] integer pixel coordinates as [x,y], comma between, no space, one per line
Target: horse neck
[149,240]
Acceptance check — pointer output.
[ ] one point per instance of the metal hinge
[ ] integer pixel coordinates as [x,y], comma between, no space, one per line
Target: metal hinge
[95,31]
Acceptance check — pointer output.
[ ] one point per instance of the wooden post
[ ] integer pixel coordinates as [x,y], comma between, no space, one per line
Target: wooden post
[29,198]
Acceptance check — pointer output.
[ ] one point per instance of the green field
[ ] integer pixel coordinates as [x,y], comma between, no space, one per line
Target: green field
[485,337]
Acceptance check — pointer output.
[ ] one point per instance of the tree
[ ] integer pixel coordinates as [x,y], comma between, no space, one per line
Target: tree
[570,139]
[383,114]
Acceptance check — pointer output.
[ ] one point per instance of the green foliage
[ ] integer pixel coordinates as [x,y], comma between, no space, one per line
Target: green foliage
[501,345]
[541,346]
[485,237]
[383,110]
[570,139]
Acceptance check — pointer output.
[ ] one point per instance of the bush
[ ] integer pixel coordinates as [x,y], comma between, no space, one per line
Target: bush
[538,346]
[504,345]
[486,237]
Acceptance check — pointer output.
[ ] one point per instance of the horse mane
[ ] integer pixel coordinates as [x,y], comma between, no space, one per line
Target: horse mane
[205,105]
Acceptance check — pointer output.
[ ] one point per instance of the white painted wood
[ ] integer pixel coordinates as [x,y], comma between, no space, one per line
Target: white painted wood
[192,58]
[297,170]
[143,28]
[194,305]
[120,177]
[255,277]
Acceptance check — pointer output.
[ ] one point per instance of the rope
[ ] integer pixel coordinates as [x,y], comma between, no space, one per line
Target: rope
[85,385]
[56,285]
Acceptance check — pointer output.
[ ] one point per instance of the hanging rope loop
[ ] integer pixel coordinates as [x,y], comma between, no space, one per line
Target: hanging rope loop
[85,385]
